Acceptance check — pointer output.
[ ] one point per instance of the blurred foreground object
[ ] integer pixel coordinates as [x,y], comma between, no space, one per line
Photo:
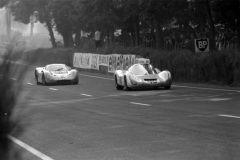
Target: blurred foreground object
[9,120]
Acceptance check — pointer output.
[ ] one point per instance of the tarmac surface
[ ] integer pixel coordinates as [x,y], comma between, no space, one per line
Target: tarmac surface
[94,121]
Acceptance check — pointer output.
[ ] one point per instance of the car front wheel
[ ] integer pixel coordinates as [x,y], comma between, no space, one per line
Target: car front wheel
[36,78]
[126,86]
[168,87]
[44,80]
[118,87]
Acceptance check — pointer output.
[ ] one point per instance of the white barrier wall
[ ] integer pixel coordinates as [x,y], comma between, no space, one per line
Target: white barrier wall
[103,60]
[86,61]
[118,61]
[112,61]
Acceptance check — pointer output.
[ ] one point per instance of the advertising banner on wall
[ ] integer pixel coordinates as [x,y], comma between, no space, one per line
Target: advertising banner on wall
[118,61]
[86,61]
[103,60]
[94,61]
[113,61]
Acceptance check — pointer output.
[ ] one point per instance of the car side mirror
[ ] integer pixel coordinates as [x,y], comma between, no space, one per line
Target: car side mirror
[157,70]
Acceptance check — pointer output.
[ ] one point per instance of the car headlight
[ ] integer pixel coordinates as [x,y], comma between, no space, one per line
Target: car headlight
[165,75]
[134,80]
[71,74]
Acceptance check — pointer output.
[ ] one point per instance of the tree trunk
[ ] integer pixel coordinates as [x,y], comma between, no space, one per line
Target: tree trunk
[152,37]
[238,24]
[137,28]
[49,27]
[212,34]
[77,38]
[132,39]
[159,38]
[67,38]
[111,34]
[70,39]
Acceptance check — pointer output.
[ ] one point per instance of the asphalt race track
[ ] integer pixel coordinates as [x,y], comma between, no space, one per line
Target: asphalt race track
[94,121]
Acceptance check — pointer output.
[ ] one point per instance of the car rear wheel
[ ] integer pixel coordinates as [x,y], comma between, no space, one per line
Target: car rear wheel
[75,82]
[118,87]
[167,87]
[126,86]
[36,78]
[43,80]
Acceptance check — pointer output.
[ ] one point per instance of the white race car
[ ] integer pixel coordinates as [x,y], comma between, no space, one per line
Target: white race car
[56,74]
[140,76]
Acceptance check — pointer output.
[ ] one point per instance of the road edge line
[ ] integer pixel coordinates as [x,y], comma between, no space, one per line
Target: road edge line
[30,149]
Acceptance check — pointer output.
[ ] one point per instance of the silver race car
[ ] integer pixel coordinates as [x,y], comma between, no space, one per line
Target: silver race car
[140,76]
[56,74]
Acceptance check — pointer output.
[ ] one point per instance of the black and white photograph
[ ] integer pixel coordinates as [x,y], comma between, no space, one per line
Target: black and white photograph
[119,79]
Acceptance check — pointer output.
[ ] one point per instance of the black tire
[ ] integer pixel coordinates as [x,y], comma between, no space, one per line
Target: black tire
[43,80]
[168,87]
[36,78]
[118,87]
[125,82]
[75,82]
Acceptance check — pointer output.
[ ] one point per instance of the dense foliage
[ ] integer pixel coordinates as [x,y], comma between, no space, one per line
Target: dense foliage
[147,23]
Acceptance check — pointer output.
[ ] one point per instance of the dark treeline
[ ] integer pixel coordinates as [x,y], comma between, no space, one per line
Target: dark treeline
[148,23]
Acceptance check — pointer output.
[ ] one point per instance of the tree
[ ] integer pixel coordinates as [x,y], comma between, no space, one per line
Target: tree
[211,23]
[23,9]
[62,12]
[161,14]
[4,3]
[132,16]
[227,15]
[100,14]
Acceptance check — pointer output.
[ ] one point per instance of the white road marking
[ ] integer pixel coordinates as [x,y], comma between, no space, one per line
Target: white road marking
[54,89]
[30,84]
[13,79]
[229,116]
[214,96]
[219,99]
[30,149]
[142,104]
[145,93]
[86,95]
[199,115]
[73,101]
[213,89]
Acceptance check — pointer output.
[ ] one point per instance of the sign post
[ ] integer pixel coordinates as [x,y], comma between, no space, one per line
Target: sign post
[202,45]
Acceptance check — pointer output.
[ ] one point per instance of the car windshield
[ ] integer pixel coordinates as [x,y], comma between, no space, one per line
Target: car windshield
[142,69]
[57,67]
